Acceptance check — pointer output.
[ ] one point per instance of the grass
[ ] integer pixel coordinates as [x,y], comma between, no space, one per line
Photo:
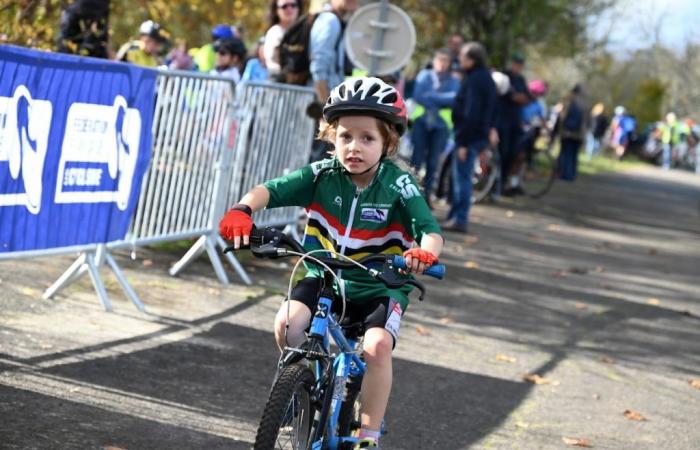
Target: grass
[603,164]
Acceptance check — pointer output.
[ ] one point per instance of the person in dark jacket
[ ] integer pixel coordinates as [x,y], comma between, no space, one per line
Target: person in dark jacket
[571,127]
[473,117]
[510,126]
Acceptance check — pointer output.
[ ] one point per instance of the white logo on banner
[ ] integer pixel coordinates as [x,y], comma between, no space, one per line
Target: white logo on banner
[99,135]
[24,136]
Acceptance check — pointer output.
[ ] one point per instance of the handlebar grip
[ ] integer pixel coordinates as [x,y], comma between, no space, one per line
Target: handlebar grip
[435,271]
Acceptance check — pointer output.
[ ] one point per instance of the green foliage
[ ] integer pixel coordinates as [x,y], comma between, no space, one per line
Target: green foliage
[647,102]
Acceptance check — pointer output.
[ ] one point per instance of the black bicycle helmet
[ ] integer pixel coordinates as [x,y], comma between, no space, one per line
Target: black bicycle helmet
[153,30]
[232,46]
[367,96]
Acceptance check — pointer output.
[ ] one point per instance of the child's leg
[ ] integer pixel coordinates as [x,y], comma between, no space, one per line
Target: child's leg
[376,385]
[299,319]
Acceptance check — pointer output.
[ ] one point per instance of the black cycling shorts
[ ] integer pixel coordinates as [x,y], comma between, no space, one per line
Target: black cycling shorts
[383,312]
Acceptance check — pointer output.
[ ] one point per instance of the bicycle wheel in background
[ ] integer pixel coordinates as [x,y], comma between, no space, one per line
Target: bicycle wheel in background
[486,167]
[288,416]
[538,173]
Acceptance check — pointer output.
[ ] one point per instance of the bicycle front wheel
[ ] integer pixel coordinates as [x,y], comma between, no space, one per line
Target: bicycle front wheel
[537,174]
[288,416]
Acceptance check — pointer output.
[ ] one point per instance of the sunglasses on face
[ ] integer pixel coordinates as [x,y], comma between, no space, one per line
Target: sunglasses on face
[288,6]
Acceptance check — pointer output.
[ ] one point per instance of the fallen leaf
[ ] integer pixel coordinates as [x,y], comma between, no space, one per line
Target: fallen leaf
[634,415]
[458,249]
[422,331]
[471,240]
[521,425]
[579,305]
[600,269]
[653,301]
[560,273]
[576,442]
[579,270]
[213,291]
[553,227]
[695,383]
[534,237]
[147,262]
[506,358]
[471,265]
[447,321]
[510,214]
[653,252]
[535,378]
[607,360]
[596,396]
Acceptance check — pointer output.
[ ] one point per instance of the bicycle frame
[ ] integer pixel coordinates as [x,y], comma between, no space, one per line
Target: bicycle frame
[347,363]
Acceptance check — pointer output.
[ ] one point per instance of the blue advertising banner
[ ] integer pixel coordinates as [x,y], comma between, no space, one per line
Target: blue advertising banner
[75,142]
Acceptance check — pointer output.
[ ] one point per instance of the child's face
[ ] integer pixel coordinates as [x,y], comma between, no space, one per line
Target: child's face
[358,143]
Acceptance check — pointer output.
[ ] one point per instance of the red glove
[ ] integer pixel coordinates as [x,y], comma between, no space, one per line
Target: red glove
[236,223]
[421,255]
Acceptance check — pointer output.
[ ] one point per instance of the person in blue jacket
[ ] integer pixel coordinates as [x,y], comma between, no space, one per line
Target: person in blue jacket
[434,90]
[473,117]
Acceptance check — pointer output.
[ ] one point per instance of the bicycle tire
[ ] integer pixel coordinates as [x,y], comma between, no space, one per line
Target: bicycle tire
[349,417]
[294,379]
[484,175]
[537,174]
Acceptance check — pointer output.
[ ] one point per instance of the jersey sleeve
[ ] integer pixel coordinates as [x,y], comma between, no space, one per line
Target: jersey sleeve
[293,189]
[416,216]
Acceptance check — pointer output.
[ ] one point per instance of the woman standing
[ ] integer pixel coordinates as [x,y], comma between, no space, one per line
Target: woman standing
[283,13]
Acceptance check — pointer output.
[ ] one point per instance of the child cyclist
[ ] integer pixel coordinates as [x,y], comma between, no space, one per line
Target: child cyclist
[358,202]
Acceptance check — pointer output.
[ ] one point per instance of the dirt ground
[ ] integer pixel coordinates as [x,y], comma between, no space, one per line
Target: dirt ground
[590,293]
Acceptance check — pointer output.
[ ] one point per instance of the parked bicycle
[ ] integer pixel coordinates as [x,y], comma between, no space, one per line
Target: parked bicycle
[314,400]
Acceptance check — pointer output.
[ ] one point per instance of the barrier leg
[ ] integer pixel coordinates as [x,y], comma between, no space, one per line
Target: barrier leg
[75,271]
[192,254]
[126,287]
[210,246]
[97,281]
[234,262]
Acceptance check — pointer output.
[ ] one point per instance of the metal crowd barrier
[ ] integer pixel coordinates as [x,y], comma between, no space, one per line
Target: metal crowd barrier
[273,136]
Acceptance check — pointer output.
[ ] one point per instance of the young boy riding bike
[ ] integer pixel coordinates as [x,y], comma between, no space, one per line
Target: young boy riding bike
[358,202]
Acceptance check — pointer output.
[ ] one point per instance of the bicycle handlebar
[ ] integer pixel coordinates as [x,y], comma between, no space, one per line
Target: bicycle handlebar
[270,243]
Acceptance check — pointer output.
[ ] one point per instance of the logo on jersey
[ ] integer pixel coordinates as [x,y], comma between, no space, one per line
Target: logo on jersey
[338,200]
[406,187]
[375,215]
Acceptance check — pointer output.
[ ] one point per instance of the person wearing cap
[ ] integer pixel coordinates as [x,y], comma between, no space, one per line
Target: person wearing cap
[205,56]
[146,50]
[230,58]
[510,128]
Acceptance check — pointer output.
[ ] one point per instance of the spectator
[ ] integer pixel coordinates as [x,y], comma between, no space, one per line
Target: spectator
[283,13]
[179,59]
[84,28]
[255,69]
[230,58]
[572,130]
[435,89]
[670,137]
[510,129]
[454,44]
[205,56]
[327,48]
[146,50]
[473,116]
[599,125]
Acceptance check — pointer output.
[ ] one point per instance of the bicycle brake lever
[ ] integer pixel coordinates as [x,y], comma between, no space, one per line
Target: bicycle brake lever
[420,287]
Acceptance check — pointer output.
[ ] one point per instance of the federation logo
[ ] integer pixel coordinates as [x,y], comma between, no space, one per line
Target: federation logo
[99,153]
[24,135]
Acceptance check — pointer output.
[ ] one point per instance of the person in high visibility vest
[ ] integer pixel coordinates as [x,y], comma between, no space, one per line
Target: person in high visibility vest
[435,90]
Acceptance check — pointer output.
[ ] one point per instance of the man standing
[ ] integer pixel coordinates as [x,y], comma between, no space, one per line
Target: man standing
[435,89]
[327,47]
[510,127]
[473,116]
[572,129]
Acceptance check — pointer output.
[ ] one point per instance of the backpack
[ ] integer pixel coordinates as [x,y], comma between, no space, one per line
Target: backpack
[294,51]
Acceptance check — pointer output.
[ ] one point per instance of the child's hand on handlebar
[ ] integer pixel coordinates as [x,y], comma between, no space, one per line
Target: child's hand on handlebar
[417,260]
[237,224]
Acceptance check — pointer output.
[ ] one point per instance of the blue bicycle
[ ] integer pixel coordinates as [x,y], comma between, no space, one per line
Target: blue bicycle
[314,400]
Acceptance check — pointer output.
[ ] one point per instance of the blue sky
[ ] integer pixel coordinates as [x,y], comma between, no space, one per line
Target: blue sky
[632,23]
